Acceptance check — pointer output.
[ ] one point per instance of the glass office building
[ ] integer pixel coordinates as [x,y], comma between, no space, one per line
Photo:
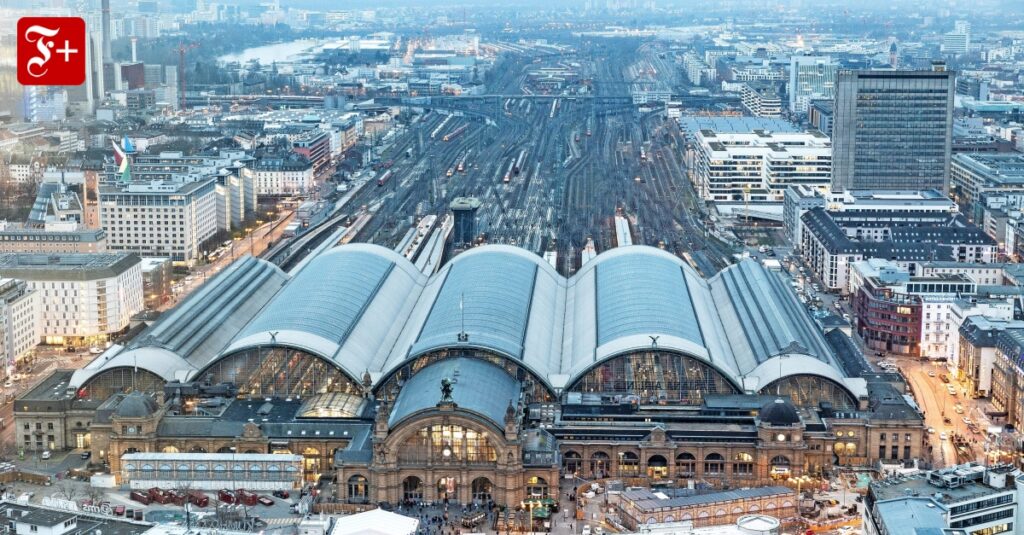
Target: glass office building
[893,129]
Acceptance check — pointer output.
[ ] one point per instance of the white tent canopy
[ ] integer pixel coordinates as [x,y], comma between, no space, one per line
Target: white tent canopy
[375,522]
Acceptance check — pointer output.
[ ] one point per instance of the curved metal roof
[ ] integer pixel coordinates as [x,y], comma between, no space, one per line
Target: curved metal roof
[327,297]
[195,332]
[487,296]
[367,309]
[347,306]
[644,295]
[477,386]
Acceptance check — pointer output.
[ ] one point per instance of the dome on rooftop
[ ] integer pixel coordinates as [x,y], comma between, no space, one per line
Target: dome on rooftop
[136,405]
[779,412]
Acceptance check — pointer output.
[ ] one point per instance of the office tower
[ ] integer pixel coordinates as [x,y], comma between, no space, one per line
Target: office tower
[893,129]
[957,41]
[810,78]
[45,103]
[105,10]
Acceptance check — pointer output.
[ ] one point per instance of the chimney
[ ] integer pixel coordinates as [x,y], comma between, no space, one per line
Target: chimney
[105,6]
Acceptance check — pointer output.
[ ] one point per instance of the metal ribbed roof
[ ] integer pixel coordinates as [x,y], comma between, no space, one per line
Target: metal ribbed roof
[487,295]
[327,297]
[367,309]
[644,295]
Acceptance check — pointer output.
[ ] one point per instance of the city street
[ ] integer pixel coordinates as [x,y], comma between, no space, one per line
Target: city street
[255,243]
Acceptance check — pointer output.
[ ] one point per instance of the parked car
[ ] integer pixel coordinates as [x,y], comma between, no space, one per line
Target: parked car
[226,496]
[86,454]
[942,436]
[283,494]
[198,499]
[263,500]
[46,454]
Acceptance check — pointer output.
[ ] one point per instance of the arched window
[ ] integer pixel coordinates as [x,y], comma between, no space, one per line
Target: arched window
[147,468]
[447,443]
[743,464]
[629,464]
[482,490]
[255,472]
[779,466]
[657,467]
[679,379]
[714,463]
[169,449]
[165,471]
[537,487]
[571,462]
[182,469]
[358,489]
[600,462]
[412,489]
[686,464]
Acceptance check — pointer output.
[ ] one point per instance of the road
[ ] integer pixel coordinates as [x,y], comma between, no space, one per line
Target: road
[255,243]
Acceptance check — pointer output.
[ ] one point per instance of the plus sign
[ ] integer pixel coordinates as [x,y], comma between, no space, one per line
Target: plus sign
[67,51]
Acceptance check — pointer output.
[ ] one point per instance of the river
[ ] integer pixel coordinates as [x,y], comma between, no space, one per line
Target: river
[268,54]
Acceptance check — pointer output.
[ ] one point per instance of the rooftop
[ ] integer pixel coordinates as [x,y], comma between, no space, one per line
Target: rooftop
[647,500]
[69,267]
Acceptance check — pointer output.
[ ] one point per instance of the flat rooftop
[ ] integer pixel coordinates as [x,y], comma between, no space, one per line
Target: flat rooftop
[919,486]
[78,267]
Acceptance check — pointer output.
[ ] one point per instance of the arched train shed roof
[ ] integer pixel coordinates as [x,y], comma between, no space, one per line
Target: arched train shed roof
[367,309]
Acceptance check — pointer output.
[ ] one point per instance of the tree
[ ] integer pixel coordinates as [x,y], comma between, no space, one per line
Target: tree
[95,494]
[67,490]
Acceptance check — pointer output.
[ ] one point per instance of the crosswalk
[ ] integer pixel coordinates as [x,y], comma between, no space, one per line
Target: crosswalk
[281,521]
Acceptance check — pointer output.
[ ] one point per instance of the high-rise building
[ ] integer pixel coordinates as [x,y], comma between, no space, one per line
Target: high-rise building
[893,129]
[84,297]
[45,103]
[19,318]
[160,218]
[761,99]
[810,78]
[958,41]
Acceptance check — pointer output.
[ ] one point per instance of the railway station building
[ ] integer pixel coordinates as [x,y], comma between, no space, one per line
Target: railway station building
[487,380]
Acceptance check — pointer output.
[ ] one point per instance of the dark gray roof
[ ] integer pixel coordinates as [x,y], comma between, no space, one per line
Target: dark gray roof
[849,356]
[825,228]
[212,315]
[478,386]
[136,405]
[778,412]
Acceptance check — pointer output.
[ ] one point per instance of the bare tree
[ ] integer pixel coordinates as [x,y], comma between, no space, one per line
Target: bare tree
[95,494]
[67,490]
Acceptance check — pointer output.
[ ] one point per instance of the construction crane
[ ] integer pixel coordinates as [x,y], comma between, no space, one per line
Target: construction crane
[182,49]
